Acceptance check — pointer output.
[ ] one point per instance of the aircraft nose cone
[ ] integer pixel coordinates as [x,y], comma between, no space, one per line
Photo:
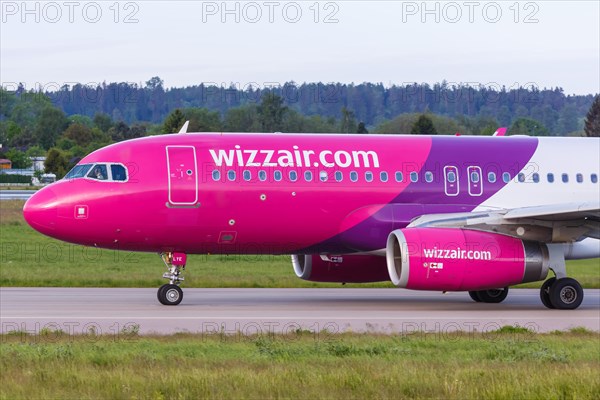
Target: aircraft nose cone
[40,211]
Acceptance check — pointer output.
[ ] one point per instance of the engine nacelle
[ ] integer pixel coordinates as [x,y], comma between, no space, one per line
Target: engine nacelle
[342,269]
[449,259]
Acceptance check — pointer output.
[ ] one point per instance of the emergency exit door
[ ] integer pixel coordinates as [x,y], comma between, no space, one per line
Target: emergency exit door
[183,177]
[451,184]
[475,182]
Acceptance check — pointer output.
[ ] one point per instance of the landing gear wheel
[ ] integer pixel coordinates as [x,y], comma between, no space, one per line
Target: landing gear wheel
[159,294]
[566,294]
[545,293]
[474,296]
[492,295]
[170,295]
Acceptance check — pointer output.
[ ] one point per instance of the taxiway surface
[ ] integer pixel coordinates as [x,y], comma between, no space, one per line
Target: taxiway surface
[251,311]
[16,194]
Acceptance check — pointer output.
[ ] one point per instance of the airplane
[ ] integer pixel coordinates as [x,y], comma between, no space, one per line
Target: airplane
[444,213]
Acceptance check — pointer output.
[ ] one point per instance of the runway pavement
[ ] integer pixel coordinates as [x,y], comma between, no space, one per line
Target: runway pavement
[16,194]
[262,311]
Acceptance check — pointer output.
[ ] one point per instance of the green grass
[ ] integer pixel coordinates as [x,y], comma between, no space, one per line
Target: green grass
[509,363]
[302,365]
[28,258]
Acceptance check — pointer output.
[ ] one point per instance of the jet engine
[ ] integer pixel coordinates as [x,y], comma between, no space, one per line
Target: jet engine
[450,259]
[342,268]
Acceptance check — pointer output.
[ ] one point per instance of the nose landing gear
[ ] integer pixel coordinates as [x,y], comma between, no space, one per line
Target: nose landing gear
[170,294]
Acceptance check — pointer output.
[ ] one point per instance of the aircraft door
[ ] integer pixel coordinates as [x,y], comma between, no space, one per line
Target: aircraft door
[182,174]
[451,181]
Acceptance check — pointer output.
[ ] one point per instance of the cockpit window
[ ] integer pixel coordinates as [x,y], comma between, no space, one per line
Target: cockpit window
[118,172]
[99,172]
[78,171]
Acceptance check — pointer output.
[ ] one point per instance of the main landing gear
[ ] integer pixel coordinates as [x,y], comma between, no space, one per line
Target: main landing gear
[170,294]
[489,296]
[556,293]
[562,293]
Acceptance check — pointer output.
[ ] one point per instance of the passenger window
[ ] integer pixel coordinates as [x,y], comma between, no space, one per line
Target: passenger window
[293,176]
[399,176]
[277,175]
[98,172]
[216,175]
[308,176]
[247,175]
[521,177]
[535,177]
[474,177]
[369,176]
[594,178]
[491,177]
[383,176]
[579,178]
[338,176]
[262,175]
[428,177]
[414,177]
[506,177]
[550,177]
[353,176]
[451,177]
[565,178]
[323,176]
[231,175]
[118,172]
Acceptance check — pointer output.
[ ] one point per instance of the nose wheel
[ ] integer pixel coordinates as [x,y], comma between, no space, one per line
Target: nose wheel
[170,294]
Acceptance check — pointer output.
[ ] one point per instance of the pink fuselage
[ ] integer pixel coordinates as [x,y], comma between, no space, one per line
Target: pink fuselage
[172,200]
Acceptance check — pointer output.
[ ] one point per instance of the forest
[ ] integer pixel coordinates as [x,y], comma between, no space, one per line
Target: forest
[67,123]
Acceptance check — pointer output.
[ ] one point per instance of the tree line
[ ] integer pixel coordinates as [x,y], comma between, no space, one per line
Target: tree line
[32,124]
[371,103]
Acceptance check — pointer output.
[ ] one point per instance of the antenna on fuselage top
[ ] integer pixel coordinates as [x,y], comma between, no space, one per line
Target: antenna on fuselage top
[184,127]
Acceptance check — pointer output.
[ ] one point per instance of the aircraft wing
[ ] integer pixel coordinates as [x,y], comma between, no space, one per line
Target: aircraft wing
[556,223]
[557,212]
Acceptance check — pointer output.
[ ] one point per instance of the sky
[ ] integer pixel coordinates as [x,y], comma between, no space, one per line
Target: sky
[266,43]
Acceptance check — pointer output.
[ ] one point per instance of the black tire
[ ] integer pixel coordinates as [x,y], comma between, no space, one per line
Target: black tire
[170,295]
[474,295]
[545,293]
[566,294]
[159,294]
[492,295]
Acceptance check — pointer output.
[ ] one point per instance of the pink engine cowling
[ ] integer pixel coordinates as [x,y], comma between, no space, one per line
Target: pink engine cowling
[342,269]
[450,259]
